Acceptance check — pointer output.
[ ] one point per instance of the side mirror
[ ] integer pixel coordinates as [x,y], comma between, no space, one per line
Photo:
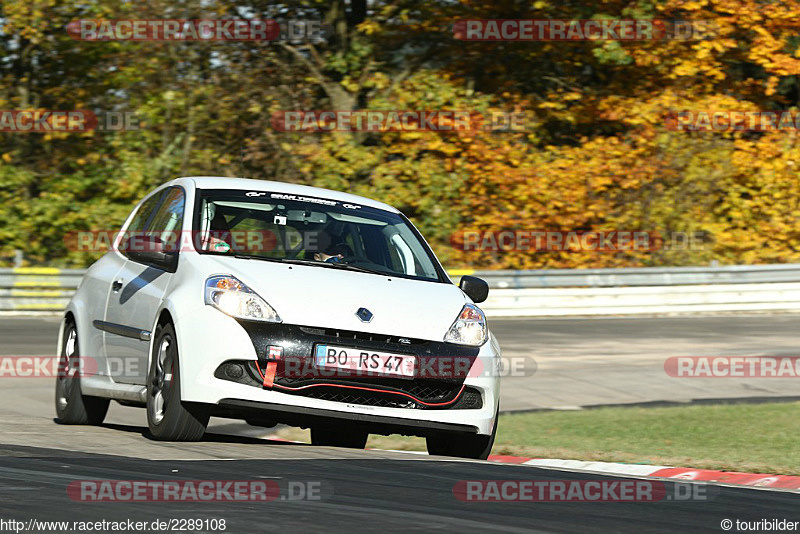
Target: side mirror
[476,288]
[150,250]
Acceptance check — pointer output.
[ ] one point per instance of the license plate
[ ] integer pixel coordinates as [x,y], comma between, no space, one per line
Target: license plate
[364,362]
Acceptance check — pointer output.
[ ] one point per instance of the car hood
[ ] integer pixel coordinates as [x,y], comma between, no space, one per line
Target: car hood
[329,298]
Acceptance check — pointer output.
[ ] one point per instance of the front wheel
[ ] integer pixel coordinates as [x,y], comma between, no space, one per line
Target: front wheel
[167,417]
[72,407]
[475,446]
[347,438]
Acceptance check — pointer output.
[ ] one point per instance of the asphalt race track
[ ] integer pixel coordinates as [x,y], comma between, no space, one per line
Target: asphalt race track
[367,491]
[371,492]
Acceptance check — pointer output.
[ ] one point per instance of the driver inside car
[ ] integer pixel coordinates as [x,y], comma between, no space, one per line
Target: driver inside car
[334,254]
[219,238]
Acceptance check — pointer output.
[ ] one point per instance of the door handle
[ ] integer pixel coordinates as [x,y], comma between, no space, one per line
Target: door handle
[116,286]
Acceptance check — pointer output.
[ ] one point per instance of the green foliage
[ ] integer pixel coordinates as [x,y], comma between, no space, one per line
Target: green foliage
[595,154]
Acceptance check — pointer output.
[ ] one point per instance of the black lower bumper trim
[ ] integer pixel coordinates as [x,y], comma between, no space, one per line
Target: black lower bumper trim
[306,417]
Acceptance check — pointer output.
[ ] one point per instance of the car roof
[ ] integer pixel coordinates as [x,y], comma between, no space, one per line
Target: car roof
[248,184]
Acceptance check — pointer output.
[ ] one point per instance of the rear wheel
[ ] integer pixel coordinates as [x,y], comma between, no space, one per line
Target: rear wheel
[476,446]
[347,438]
[167,417]
[72,407]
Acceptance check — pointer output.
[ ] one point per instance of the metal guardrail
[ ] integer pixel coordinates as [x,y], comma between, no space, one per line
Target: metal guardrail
[37,288]
[531,293]
[645,276]
[40,277]
[643,300]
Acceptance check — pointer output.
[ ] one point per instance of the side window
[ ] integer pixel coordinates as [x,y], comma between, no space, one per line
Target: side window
[168,219]
[145,214]
[160,215]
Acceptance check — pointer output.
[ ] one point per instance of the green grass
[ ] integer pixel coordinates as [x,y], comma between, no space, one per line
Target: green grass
[733,437]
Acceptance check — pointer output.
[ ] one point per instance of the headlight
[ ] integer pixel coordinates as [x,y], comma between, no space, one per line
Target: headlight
[232,297]
[469,328]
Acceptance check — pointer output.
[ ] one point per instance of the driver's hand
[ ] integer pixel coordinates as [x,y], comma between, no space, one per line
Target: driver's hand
[217,245]
[321,256]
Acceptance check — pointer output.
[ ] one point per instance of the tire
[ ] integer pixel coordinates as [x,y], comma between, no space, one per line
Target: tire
[167,417]
[346,438]
[475,446]
[72,407]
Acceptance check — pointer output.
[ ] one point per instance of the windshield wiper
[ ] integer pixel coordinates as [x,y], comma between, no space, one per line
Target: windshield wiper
[359,269]
[345,266]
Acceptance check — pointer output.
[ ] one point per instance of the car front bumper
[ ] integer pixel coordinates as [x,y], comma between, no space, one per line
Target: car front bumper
[207,339]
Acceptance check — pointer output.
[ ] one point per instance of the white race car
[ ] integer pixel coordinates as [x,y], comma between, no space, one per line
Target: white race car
[280,303]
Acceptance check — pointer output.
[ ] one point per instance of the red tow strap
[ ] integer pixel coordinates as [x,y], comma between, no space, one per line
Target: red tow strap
[269,375]
[274,355]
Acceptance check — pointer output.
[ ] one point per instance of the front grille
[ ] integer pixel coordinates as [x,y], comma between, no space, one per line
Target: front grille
[425,393]
[470,399]
[346,335]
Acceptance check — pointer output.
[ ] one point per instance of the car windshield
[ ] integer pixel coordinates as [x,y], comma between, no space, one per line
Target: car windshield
[315,231]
